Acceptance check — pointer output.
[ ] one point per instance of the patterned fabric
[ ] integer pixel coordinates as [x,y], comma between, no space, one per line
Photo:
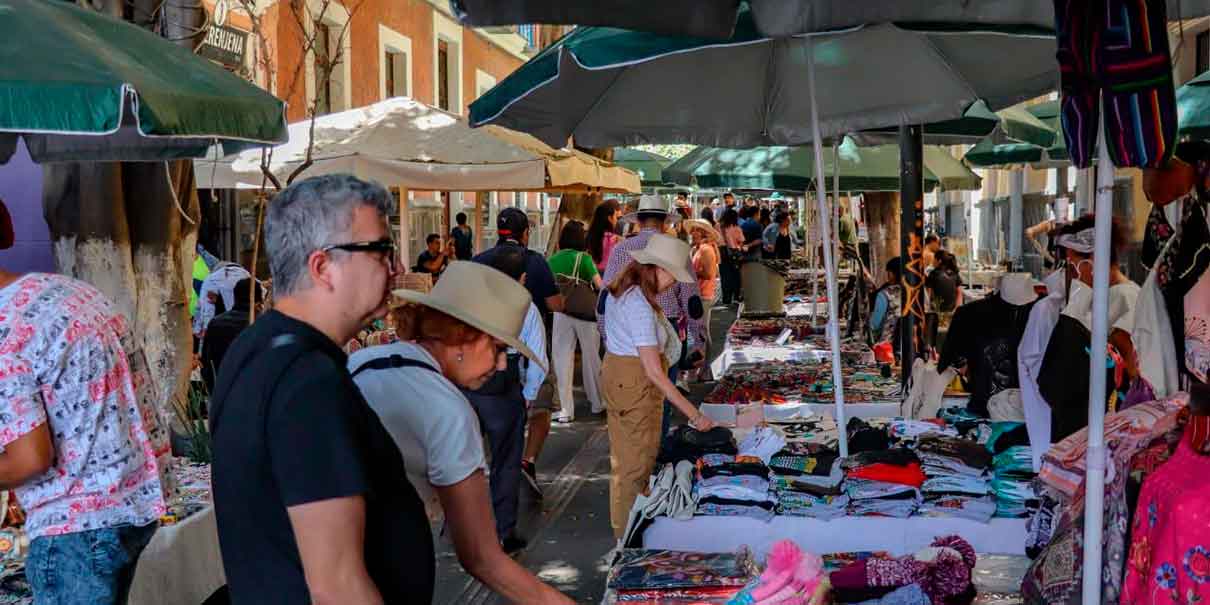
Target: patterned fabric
[674,301]
[1117,49]
[1170,553]
[68,359]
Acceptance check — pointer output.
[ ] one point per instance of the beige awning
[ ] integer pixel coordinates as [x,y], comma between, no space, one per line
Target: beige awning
[405,143]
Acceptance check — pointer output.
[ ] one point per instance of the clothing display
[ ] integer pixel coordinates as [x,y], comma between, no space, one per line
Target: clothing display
[636,569]
[943,572]
[985,336]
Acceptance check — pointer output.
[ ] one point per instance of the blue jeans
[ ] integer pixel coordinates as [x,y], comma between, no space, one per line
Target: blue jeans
[86,568]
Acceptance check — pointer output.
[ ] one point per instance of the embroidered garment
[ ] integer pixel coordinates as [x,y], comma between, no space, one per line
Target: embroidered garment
[1117,49]
[1170,553]
[67,359]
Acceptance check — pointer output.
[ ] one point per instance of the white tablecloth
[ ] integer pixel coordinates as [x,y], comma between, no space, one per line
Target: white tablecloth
[724,413]
[182,564]
[846,534]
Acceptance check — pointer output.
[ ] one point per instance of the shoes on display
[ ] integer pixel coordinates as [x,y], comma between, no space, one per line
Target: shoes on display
[531,477]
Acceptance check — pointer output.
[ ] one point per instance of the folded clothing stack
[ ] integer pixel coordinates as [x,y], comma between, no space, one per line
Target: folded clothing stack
[687,443]
[881,499]
[660,576]
[731,486]
[797,498]
[957,478]
[1013,482]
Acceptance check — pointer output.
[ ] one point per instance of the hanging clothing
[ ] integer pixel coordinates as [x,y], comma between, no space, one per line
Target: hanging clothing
[884,319]
[1154,343]
[1116,50]
[1030,352]
[987,334]
[1181,268]
[1170,541]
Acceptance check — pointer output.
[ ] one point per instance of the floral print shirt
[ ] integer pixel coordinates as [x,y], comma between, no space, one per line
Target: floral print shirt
[67,359]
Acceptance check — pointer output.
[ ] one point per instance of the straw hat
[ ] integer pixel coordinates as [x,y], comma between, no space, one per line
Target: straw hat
[698,225]
[665,252]
[1018,288]
[483,298]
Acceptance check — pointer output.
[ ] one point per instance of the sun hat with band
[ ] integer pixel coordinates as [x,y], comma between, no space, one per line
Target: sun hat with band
[652,205]
[481,297]
[667,253]
[696,224]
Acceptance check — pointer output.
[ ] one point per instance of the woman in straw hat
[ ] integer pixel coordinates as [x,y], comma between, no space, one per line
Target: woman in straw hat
[455,336]
[640,344]
[705,263]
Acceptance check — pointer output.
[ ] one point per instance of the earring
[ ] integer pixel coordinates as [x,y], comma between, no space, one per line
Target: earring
[460,358]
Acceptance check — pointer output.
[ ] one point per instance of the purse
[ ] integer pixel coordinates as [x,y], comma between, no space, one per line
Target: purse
[579,299]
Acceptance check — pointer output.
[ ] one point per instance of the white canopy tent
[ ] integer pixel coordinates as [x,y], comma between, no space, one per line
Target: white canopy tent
[406,143]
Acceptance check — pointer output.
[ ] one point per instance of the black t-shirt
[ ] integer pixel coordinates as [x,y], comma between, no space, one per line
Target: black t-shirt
[944,287]
[220,333]
[539,279]
[986,333]
[290,427]
[428,257]
[463,242]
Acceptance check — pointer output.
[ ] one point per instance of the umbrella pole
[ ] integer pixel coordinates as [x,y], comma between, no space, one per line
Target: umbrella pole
[828,262]
[811,222]
[835,217]
[1095,456]
[911,241]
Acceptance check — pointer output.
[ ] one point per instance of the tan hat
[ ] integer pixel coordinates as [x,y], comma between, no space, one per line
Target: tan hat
[697,223]
[483,298]
[668,253]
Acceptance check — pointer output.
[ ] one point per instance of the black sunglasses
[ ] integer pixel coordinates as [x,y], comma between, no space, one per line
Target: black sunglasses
[385,247]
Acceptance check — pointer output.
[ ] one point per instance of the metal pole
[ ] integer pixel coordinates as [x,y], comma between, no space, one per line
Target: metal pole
[814,269]
[911,241]
[828,261]
[835,218]
[1094,498]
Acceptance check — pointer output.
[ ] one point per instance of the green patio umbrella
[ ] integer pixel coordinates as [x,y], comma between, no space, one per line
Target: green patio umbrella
[990,153]
[649,166]
[1193,107]
[79,85]
[873,168]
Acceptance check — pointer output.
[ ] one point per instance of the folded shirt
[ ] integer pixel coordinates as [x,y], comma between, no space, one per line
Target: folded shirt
[865,489]
[979,509]
[762,443]
[879,507]
[819,465]
[896,455]
[910,429]
[971,454]
[956,484]
[794,504]
[909,474]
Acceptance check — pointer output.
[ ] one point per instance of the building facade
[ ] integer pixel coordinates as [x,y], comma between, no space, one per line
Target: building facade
[328,56]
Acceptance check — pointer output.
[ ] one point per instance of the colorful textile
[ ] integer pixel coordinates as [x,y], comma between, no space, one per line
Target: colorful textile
[638,569]
[1169,559]
[957,506]
[1117,49]
[68,359]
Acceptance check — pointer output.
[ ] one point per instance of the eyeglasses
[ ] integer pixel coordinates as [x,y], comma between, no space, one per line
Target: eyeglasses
[385,247]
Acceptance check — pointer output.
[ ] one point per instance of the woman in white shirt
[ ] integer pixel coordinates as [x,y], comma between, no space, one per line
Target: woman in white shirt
[455,336]
[640,344]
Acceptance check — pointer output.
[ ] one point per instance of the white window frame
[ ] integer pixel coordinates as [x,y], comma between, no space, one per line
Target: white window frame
[335,17]
[483,82]
[450,31]
[394,42]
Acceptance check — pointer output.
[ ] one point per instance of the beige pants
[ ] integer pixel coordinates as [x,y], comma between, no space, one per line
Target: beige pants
[634,407]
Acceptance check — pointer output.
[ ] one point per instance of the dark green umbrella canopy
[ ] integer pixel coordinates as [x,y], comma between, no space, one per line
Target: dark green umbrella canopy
[1193,107]
[649,166]
[873,168]
[774,18]
[79,85]
[609,87]
[990,153]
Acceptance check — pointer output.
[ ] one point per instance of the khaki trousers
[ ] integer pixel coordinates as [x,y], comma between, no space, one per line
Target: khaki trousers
[634,408]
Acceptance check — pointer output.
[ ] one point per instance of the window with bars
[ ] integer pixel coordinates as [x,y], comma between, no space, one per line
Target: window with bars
[443,75]
[1203,53]
[324,69]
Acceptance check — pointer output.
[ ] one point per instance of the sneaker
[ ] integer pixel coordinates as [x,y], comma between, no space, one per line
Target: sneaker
[513,544]
[531,477]
[561,419]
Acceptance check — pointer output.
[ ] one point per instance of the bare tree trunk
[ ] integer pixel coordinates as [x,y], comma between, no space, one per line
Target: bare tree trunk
[576,206]
[882,211]
[130,230]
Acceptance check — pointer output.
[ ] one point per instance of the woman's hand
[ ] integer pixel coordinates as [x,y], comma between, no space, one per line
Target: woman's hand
[702,422]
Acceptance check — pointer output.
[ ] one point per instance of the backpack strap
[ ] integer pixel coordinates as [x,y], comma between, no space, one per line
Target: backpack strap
[393,361]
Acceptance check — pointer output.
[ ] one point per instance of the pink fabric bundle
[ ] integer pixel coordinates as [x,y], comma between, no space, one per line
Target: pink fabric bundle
[790,578]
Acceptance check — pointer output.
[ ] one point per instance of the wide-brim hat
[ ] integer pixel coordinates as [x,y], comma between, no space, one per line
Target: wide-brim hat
[484,299]
[1018,288]
[668,253]
[697,223]
[653,204]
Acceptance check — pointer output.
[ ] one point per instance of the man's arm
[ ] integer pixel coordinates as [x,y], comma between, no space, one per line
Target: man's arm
[26,457]
[434,265]
[533,334]
[468,513]
[331,541]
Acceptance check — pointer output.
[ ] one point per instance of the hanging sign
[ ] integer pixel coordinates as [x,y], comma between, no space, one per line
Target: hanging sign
[225,45]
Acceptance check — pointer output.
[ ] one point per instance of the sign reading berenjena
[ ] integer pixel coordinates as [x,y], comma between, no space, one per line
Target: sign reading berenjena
[225,45]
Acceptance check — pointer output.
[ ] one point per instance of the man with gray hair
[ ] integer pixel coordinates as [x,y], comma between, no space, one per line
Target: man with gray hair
[310,492]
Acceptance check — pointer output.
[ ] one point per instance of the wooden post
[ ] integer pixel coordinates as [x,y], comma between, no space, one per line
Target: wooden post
[478,229]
